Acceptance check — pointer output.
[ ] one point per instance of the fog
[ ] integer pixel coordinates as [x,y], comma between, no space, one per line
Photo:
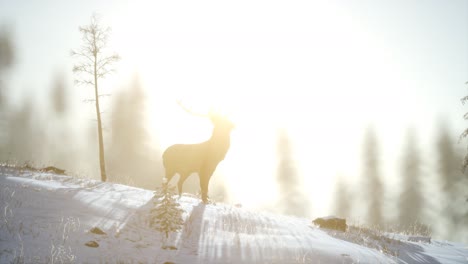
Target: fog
[349,123]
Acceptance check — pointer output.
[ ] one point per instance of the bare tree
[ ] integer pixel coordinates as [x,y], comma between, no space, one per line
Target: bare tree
[93,65]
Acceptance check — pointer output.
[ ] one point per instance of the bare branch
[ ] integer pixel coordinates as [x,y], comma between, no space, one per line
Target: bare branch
[82,54]
[83,68]
[95,39]
[83,82]
[104,73]
[108,60]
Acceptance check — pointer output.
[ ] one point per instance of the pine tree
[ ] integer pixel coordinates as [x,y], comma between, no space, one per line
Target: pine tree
[166,216]
[463,135]
[7,59]
[342,202]
[452,183]
[129,148]
[372,179]
[292,199]
[411,198]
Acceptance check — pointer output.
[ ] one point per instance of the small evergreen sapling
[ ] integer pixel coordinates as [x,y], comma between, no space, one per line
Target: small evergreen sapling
[166,215]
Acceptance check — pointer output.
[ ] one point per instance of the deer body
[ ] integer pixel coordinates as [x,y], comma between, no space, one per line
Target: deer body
[201,158]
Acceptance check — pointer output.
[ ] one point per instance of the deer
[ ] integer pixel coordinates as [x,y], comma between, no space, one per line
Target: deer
[201,158]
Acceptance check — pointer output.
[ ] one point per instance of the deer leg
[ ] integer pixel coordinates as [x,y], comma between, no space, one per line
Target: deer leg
[205,176]
[180,184]
[169,175]
[204,182]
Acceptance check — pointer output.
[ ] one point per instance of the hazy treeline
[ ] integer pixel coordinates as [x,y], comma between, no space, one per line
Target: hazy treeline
[45,133]
[429,195]
[45,137]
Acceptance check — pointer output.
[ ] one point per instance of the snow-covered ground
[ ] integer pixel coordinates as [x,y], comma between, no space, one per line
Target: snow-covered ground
[47,218]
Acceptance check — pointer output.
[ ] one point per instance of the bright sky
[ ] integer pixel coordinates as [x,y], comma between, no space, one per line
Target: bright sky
[326,70]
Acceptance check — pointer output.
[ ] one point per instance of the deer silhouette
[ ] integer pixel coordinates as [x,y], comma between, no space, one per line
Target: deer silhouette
[201,158]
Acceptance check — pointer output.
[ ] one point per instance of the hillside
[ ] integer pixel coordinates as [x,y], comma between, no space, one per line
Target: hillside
[48,218]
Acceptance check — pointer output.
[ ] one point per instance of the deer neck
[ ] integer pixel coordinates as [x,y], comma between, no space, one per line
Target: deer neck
[221,137]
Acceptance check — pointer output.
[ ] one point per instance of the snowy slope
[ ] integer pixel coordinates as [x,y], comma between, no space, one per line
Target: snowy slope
[48,218]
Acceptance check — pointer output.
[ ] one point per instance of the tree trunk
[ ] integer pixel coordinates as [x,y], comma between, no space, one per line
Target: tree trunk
[102,163]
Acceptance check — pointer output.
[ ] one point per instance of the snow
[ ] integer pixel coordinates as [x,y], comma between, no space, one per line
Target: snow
[48,218]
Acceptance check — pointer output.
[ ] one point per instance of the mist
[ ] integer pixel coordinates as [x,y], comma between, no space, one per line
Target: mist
[335,115]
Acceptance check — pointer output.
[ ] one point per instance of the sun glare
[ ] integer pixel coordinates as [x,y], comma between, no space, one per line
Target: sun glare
[263,78]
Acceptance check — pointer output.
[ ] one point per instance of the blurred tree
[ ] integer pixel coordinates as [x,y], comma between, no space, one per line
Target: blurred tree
[452,183]
[93,65]
[131,160]
[59,127]
[6,49]
[465,132]
[465,165]
[342,207]
[6,58]
[372,180]
[25,137]
[6,62]
[59,95]
[411,197]
[292,199]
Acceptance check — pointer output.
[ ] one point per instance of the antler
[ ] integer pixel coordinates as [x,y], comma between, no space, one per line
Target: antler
[210,114]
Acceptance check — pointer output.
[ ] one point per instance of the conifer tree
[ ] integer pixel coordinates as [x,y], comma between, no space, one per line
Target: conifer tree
[7,59]
[453,185]
[411,201]
[372,179]
[463,135]
[166,216]
[129,148]
[292,200]
[342,199]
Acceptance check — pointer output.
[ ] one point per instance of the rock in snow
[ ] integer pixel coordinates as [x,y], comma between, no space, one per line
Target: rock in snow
[331,222]
[92,244]
[97,231]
